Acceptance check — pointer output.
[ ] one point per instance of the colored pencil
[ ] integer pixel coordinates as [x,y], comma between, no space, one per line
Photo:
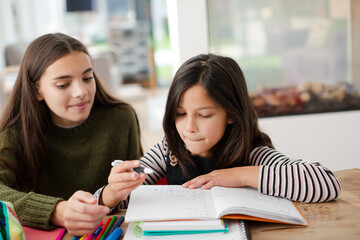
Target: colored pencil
[103,229]
[98,229]
[113,219]
[61,234]
[115,234]
[117,224]
[96,233]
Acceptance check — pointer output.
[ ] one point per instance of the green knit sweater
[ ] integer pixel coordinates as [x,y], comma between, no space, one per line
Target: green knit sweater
[80,159]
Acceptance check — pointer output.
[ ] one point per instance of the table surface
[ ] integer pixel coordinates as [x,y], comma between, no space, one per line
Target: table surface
[338,219]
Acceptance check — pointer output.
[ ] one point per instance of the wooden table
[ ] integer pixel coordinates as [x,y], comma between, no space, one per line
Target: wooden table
[339,219]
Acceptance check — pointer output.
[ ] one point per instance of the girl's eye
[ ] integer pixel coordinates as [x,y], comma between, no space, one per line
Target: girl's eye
[180,114]
[62,85]
[205,116]
[88,79]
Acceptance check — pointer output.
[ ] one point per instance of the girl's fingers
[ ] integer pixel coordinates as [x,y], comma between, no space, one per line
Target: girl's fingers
[79,220]
[196,182]
[82,220]
[125,186]
[208,185]
[79,231]
[84,202]
[93,210]
[84,197]
[129,180]
[126,166]
[125,176]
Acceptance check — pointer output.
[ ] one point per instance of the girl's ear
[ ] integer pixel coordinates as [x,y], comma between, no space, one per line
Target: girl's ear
[230,120]
[39,97]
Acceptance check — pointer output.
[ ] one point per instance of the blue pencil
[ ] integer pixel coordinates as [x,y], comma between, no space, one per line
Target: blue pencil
[114,235]
[117,224]
[98,230]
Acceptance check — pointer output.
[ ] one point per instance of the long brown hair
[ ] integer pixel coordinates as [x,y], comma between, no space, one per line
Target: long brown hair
[25,116]
[224,82]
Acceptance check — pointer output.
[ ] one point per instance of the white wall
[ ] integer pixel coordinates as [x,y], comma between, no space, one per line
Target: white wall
[187,29]
[330,138]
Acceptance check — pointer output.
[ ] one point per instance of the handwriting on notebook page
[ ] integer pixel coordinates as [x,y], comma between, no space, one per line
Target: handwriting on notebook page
[251,198]
[183,202]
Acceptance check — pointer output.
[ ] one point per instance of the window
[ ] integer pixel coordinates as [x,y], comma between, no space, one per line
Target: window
[295,54]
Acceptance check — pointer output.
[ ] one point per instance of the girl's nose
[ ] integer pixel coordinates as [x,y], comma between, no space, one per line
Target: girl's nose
[191,124]
[79,89]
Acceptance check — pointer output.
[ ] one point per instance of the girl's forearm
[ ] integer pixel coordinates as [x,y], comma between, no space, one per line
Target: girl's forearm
[250,176]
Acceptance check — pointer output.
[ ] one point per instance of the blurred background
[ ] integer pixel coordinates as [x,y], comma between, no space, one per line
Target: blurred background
[300,58]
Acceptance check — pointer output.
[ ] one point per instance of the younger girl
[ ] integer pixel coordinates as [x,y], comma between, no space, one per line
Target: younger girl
[59,132]
[212,138]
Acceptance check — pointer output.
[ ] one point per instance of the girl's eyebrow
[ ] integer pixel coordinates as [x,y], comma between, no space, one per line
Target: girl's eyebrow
[202,108]
[68,76]
[87,70]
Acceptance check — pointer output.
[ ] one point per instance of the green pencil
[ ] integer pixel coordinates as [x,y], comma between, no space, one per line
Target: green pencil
[108,228]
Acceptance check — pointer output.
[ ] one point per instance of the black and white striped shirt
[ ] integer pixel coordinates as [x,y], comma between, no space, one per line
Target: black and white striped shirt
[279,175]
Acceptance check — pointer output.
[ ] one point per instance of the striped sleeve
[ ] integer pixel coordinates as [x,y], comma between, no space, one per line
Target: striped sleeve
[293,179]
[155,159]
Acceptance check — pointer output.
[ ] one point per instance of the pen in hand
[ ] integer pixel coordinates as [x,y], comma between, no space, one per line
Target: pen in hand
[137,169]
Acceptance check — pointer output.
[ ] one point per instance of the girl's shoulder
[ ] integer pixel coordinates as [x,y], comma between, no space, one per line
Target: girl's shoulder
[161,148]
[262,150]
[8,137]
[9,144]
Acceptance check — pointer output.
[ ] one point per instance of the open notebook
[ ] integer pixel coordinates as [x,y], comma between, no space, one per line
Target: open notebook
[172,202]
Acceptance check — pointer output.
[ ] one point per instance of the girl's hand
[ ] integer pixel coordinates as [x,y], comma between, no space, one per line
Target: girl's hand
[230,177]
[79,215]
[122,180]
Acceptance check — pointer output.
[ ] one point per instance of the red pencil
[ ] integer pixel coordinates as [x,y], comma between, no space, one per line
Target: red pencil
[103,229]
[61,234]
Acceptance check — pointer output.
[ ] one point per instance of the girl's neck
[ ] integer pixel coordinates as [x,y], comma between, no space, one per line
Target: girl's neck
[67,127]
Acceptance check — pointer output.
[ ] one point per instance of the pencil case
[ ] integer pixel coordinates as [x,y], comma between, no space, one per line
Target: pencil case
[10,227]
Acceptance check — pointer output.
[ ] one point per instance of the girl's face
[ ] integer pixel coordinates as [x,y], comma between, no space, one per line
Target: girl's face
[68,88]
[200,121]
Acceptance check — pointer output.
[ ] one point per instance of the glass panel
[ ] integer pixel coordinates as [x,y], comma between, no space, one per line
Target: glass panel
[288,49]
[161,43]
[136,30]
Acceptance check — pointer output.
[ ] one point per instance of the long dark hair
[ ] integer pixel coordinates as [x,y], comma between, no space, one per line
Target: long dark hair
[224,82]
[25,116]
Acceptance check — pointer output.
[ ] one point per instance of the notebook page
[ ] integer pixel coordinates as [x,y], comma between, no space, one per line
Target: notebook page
[255,204]
[164,202]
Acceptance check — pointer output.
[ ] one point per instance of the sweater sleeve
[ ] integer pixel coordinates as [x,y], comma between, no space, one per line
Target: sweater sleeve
[33,209]
[294,179]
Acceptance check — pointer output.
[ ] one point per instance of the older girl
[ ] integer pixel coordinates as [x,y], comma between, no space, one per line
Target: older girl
[59,132]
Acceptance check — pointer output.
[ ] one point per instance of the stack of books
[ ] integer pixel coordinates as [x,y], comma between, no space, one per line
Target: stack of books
[170,212]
